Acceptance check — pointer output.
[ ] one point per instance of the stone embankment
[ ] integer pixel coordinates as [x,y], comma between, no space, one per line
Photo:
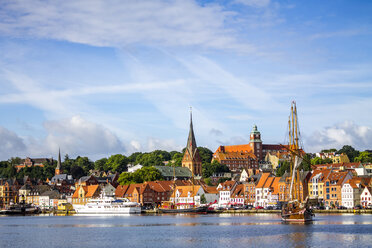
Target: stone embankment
[264,211]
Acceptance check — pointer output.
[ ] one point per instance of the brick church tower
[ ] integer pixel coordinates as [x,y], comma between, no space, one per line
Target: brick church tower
[256,143]
[191,158]
[58,168]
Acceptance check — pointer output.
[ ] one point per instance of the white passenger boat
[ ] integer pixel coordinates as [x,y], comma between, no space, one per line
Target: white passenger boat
[108,205]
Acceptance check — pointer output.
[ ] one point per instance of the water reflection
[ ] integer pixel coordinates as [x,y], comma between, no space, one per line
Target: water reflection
[185,231]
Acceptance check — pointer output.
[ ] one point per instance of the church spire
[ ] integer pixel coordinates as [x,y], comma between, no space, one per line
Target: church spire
[191,158]
[58,168]
[191,142]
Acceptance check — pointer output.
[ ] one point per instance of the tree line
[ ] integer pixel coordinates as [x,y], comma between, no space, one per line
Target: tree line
[118,163]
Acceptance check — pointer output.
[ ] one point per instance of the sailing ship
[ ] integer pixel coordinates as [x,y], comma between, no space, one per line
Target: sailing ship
[295,210]
[191,160]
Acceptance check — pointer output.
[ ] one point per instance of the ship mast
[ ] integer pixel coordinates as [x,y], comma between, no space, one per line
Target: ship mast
[294,147]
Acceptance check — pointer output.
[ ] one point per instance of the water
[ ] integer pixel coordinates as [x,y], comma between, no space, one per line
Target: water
[225,230]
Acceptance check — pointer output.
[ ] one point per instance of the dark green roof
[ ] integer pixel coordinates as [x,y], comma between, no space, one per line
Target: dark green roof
[167,171]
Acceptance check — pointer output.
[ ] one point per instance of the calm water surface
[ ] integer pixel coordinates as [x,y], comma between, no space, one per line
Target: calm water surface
[255,230]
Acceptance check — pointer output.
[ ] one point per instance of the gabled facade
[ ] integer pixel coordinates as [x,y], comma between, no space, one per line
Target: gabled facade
[186,196]
[366,197]
[332,187]
[225,190]
[350,193]
[84,193]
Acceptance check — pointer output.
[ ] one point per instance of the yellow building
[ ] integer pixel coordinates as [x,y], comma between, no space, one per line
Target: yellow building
[340,158]
[84,193]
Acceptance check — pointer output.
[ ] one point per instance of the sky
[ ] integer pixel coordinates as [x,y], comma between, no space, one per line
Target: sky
[97,78]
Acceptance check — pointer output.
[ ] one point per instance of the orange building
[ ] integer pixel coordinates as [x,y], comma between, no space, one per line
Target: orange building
[332,187]
[84,193]
[237,157]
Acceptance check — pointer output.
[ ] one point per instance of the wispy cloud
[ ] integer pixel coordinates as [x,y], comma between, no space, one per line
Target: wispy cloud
[120,23]
[254,3]
[341,33]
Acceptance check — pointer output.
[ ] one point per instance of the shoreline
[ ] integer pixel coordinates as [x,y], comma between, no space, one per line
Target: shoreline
[263,211]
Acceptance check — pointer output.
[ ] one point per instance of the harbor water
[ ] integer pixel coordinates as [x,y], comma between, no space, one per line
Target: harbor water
[223,230]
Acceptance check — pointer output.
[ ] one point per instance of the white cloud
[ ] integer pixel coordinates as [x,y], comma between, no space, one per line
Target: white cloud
[77,136]
[119,23]
[161,144]
[11,145]
[336,136]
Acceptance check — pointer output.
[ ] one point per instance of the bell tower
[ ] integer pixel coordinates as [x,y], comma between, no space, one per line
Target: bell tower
[191,158]
[256,143]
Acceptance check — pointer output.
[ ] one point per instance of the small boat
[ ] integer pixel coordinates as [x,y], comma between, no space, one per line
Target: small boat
[20,209]
[108,205]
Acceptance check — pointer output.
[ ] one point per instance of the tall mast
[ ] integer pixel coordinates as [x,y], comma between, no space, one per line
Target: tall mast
[294,147]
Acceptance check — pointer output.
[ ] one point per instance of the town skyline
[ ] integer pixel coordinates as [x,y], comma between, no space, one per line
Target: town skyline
[108,78]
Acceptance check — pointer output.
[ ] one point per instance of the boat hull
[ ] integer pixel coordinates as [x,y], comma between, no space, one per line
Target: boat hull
[184,210]
[20,211]
[304,215]
[95,210]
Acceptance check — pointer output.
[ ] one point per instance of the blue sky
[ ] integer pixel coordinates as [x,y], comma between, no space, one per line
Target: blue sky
[103,77]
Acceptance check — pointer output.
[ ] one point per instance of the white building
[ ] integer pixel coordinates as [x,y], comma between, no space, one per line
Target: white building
[187,196]
[225,191]
[314,189]
[263,190]
[365,197]
[350,193]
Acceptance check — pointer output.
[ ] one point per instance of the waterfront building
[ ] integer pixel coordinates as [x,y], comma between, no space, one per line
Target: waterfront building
[225,190]
[267,190]
[83,194]
[191,158]
[366,197]
[9,191]
[249,192]
[49,199]
[33,193]
[350,192]
[187,196]
[332,187]
[211,194]
[237,196]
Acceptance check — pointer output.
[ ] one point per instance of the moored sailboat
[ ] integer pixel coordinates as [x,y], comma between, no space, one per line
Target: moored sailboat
[295,210]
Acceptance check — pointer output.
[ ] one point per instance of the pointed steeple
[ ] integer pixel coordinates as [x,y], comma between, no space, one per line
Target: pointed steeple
[191,142]
[58,168]
[191,158]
